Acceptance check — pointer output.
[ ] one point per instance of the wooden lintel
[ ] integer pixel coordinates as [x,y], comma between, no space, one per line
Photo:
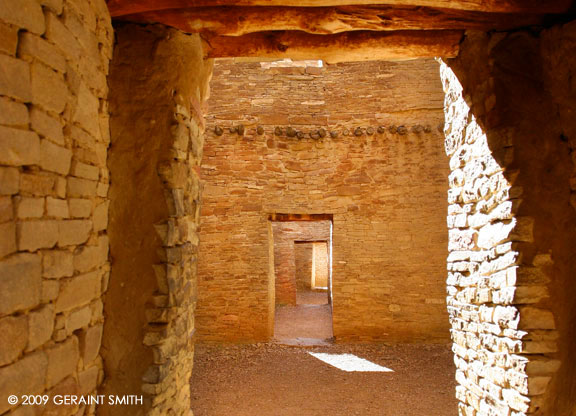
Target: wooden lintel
[341,47]
[124,7]
[299,217]
[237,21]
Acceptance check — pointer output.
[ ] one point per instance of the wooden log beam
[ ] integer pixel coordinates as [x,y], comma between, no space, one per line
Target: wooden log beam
[237,21]
[341,47]
[124,7]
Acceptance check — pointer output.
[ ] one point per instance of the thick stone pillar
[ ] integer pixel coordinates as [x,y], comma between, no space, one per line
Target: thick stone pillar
[54,136]
[511,217]
[158,83]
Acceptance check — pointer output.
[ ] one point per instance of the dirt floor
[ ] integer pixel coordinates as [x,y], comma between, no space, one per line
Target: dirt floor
[311,318]
[277,380]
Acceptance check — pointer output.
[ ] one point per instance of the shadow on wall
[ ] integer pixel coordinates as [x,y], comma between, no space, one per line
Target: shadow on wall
[502,330]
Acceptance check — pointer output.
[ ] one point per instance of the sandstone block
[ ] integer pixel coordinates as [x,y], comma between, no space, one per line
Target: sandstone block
[90,340]
[15,78]
[62,361]
[6,209]
[536,318]
[55,158]
[73,232]
[7,239]
[86,112]
[58,34]
[102,189]
[14,332]
[13,113]
[9,181]
[90,257]
[50,290]
[40,327]
[78,291]
[88,380]
[41,183]
[78,187]
[32,46]
[19,147]
[80,208]
[30,207]
[55,5]
[78,319]
[101,216]
[49,90]
[82,170]
[8,38]
[33,235]
[60,187]
[57,208]
[46,126]
[57,263]
[492,234]
[20,282]
[26,376]
[26,14]
[540,367]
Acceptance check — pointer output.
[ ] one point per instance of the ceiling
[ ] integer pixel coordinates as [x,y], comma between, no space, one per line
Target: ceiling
[337,30]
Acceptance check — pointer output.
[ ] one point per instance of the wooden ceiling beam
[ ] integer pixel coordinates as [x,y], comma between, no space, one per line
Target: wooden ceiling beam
[237,21]
[341,47]
[124,7]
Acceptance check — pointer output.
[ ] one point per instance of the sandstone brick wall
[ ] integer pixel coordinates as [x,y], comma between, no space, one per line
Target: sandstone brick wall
[284,236]
[303,265]
[54,136]
[157,127]
[386,190]
[512,220]
[320,271]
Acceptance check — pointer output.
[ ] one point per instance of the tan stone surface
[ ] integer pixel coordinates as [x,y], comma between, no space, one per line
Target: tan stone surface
[382,255]
[79,290]
[14,338]
[26,376]
[40,327]
[19,147]
[62,361]
[20,282]
[42,145]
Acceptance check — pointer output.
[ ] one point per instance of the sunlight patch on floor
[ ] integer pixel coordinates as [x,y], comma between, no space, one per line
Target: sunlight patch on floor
[349,362]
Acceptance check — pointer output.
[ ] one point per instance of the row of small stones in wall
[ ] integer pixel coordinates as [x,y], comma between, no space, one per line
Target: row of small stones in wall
[321,133]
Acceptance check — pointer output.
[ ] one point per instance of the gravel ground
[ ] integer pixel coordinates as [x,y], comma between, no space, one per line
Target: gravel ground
[275,380]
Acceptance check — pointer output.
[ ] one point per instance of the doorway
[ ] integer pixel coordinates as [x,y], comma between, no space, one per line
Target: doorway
[302,278]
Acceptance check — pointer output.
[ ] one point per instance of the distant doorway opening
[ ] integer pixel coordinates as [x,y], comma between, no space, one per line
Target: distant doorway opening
[302,278]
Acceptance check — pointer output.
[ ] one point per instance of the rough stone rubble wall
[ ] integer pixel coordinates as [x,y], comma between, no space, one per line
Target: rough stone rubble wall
[159,82]
[54,136]
[284,235]
[386,191]
[511,223]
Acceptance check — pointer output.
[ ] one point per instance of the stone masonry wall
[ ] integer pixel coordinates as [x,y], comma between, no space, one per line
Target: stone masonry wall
[303,265]
[54,136]
[510,135]
[158,84]
[385,188]
[284,235]
[321,266]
